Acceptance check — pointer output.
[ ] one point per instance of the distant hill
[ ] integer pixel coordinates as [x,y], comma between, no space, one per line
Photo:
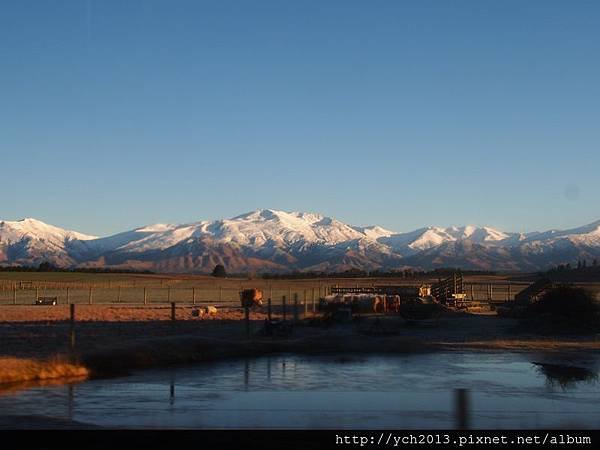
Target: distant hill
[276,241]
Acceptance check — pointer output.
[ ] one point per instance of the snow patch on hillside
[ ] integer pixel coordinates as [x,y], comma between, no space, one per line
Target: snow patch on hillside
[297,240]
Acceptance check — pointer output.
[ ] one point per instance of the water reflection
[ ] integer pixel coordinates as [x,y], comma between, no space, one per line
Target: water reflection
[565,376]
[13,388]
[172,391]
[246,374]
[70,400]
[499,390]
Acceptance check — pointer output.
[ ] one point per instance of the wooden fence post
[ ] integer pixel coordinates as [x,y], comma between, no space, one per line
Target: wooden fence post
[169,294]
[472,293]
[295,307]
[509,293]
[314,310]
[15,294]
[90,296]
[247,320]
[72,327]
[269,309]
[462,409]
[145,295]
[193,296]
[173,312]
[305,304]
[283,306]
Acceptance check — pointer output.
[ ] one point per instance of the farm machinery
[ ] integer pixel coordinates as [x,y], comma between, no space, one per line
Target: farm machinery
[450,291]
[412,302]
[343,303]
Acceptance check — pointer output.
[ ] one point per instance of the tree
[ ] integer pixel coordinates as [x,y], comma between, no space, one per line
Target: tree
[566,301]
[46,267]
[219,271]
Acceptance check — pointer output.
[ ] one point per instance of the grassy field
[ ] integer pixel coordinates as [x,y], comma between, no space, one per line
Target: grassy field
[111,288]
[25,287]
[72,279]
[139,279]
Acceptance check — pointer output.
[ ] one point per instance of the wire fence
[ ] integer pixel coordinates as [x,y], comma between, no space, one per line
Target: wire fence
[493,292]
[152,295]
[21,295]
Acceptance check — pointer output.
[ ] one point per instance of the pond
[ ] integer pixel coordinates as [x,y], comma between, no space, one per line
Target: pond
[505,390]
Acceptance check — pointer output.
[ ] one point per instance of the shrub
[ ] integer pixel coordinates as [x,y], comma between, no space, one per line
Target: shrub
[563,309]
[219,271]
[566,301]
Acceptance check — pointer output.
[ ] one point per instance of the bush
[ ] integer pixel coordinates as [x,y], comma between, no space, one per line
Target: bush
[566,301]
[219,271]
[563,309]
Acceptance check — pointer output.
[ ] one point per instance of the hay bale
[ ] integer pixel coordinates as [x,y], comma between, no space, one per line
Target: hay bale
[251,297]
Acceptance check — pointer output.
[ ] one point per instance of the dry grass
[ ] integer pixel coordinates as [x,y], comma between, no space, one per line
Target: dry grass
[110,313]
[14,370]
[64,279]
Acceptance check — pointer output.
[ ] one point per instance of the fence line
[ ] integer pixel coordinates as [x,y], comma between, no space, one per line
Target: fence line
[150,295]
[493,292]
[265,284]
[482,292]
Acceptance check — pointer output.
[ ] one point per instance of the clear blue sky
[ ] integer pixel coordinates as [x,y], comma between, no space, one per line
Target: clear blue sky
[116,114]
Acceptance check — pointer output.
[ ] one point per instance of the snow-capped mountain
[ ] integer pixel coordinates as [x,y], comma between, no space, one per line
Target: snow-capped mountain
[30,241]
[277,241]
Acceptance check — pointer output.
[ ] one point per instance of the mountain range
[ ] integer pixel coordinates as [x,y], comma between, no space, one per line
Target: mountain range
[276,241]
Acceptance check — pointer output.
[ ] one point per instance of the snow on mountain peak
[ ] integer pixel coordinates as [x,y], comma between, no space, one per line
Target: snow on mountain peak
[259,227]
[261,215]
[156,228]
[30,241]
[375,232]
[431,237]
[293,241]
[36,229]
